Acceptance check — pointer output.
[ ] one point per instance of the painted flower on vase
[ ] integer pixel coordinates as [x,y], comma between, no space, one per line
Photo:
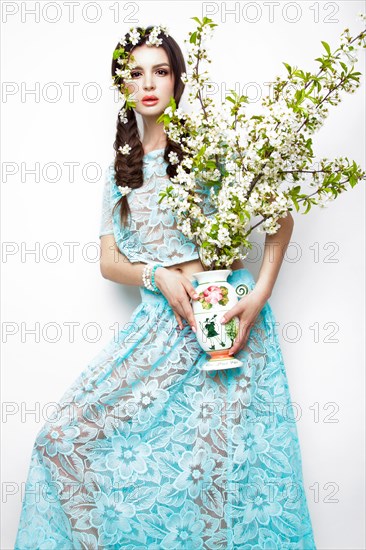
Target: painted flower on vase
[213,295]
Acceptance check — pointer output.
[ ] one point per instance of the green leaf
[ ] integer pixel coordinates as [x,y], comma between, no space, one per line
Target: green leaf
[288,67]
[118,52]
[352,180]
[326,46]
[299,73]
[307,207]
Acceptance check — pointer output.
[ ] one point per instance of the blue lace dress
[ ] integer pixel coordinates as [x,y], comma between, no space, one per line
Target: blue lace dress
[147,450]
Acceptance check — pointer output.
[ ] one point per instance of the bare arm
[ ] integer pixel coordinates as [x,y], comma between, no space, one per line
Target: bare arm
[274,251]
[176,287]
[248,308]
[115,266]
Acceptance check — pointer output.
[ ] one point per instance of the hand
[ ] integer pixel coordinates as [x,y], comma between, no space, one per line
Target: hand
[247,309]
[177,289]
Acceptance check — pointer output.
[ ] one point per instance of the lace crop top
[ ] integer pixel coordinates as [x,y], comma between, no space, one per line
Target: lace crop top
[152,235]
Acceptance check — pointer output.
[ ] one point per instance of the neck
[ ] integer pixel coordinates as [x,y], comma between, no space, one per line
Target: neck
[154,135]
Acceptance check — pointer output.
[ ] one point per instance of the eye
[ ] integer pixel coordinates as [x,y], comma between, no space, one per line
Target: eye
[137,73]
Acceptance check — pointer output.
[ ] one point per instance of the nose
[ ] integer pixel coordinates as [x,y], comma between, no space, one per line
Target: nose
[148,83]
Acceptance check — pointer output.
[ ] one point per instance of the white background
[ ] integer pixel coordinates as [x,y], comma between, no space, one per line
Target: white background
[326,379]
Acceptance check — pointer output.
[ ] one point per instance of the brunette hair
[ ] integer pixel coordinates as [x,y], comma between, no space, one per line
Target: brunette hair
[128,168]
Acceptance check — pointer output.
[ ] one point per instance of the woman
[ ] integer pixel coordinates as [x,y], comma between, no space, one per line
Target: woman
[147,450]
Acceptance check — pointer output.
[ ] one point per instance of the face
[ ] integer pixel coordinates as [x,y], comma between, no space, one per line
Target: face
[152,76]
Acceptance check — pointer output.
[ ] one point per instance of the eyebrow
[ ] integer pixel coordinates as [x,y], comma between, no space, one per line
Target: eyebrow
[155,66]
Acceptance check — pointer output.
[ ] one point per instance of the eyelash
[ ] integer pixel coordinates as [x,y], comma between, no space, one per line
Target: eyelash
[139,72]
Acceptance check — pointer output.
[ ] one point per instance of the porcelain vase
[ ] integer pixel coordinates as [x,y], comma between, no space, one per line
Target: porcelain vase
[216,296]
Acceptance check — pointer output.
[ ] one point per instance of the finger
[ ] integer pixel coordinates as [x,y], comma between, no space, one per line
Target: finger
[247,333]
[190,290]
[229,314]
[178,310]
[242,331]
[240,339]
[239,346]
[179,319]
[188,313]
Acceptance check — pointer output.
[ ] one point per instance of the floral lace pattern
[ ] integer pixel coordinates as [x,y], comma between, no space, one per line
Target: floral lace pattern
[148,451]
[153,235]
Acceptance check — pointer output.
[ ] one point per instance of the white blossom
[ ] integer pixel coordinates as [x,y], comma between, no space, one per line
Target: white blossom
[122,115]
[173,158]
[125,150]
[124,190]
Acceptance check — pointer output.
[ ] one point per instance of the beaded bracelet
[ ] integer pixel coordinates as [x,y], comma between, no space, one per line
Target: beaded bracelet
[146,276]
[156,289]
[149,282]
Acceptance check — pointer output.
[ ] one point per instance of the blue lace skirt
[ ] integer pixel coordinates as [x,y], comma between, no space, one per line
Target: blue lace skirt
[148,451]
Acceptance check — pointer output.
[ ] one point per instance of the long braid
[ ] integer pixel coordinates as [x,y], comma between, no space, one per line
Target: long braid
[128,168]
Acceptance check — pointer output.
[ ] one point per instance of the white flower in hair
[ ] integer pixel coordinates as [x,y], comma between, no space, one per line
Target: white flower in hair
[125,150]
[122,115]
[153,35]
[134,36]
[124,190]
[173,158]
[123,73]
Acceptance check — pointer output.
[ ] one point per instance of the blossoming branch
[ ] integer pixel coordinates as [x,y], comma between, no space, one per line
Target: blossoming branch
[251,166]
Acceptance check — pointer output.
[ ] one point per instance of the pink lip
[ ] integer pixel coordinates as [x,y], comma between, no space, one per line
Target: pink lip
[150,101]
